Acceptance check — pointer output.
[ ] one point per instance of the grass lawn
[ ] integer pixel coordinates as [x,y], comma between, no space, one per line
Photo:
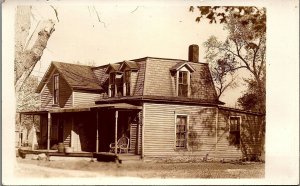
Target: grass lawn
[150,169]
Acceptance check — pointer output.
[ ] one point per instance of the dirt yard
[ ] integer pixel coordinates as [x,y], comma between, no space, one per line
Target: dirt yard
[86,168]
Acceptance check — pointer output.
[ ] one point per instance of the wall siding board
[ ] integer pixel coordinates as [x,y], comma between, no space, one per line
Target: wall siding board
[160,130]
[83,98]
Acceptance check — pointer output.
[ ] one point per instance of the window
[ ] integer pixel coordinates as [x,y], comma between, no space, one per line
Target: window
[181,131]
[112,85]
[127,82]
[56,89]
[115,84]
[234,130]
[183,83]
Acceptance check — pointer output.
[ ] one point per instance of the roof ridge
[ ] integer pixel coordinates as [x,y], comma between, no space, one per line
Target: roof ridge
[72,64]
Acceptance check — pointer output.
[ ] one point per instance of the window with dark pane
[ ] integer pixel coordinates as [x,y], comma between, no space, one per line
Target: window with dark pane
[119,84]
[183,83]
[56,89]
[181,131]
[234,130]
[127,82]
[112,84]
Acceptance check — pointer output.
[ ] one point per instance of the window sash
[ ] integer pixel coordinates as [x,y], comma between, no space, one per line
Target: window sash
[55,89]
[116,84]
[183,90]
[234,129]
[181,131]
[127,82]
[183,83]
[235,124]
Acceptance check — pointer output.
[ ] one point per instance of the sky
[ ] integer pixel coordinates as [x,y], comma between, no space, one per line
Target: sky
[124,32]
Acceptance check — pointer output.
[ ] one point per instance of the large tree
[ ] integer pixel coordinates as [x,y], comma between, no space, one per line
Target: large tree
[245,46]
[30,42]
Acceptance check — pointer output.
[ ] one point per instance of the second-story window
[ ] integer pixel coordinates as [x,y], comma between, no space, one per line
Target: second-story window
[127,82]
[115,84]
[183,84]
[112,86]
[55,89]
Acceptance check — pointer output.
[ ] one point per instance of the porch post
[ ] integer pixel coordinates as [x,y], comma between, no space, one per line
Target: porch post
[34,133]
[217,117]
[21,132]
[49,126]
[97,133]
[116,132]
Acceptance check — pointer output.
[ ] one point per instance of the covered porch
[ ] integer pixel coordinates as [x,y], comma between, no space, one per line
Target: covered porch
[90,129]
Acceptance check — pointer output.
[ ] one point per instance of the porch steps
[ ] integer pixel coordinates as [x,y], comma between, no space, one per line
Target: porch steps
[129,158]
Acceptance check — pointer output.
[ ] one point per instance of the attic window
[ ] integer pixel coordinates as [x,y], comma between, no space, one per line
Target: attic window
[55,89]
[183,72]
[115,84]
[127,75]
[183,83]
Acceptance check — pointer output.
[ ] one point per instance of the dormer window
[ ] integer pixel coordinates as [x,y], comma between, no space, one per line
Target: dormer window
[120,78]
[183,71]
[115,84]
[127,75]
[183,84]
[55,89]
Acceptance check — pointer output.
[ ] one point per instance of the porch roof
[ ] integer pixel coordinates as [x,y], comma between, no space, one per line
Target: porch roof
[36,112]
[117,106]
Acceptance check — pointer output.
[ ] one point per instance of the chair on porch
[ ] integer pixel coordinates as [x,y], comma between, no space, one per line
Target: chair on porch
[122,145]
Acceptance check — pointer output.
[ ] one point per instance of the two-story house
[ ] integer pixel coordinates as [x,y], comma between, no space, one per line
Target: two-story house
[168,108]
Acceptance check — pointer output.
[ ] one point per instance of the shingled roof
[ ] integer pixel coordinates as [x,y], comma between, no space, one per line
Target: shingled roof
[78,77]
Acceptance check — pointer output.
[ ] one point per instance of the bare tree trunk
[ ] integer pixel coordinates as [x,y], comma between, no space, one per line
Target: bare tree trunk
[26,58]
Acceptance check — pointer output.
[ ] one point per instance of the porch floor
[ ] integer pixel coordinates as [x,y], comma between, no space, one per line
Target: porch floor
[23,152]
[101,156]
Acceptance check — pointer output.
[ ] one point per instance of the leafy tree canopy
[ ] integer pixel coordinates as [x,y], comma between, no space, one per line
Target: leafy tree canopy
[244,47]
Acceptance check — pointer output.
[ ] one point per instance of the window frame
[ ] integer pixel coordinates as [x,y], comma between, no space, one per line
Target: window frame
[55,91]
[126,88]
[234,131]
[186,131]
[188,74]
[112,84]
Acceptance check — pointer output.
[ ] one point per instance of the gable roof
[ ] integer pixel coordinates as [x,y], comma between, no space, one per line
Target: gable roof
[115,67]
[179,65]
[131,64]
[78,77]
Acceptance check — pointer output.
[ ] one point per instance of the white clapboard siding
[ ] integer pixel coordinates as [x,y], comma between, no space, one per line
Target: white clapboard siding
[83,98]
[159,139]
[159,132]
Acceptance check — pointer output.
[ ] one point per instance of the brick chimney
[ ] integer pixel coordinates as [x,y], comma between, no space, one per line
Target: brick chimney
[194,53]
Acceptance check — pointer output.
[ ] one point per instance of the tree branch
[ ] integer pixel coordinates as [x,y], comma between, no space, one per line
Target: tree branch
[55,11]
[134,9]
[99,17]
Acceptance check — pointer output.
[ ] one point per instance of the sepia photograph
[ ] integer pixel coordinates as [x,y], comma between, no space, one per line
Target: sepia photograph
[140,91]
